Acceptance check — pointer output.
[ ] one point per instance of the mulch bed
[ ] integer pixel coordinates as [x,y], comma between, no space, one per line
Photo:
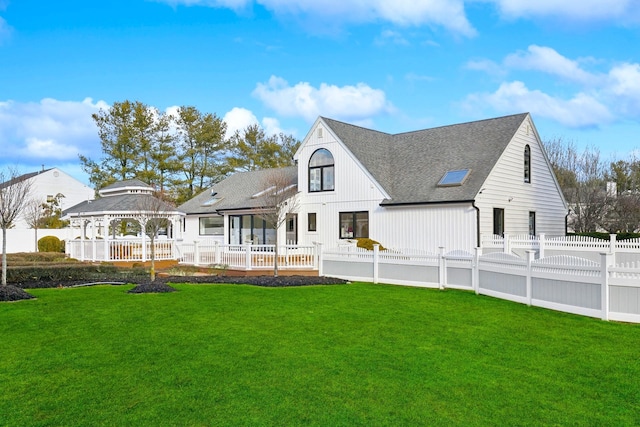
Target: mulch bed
[15,292]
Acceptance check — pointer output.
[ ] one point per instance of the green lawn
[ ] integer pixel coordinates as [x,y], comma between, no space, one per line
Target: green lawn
[361,354]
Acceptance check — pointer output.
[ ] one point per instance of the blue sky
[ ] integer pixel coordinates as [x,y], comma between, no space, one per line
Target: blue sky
[394,66]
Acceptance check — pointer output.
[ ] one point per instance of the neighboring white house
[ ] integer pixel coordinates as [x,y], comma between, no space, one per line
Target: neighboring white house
[440,187]
[49,183]
[46,185]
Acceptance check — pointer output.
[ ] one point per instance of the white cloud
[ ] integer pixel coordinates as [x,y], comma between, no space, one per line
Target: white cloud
[584,10]
[623,85]
[413,77]
[230,4]
[58,130]
[391,37]
[238,119]
[5,30]
[617,90]
[49,149]
[578,112]
[625,80]
[449,14]
[352,103]
[487,66]
[548,60]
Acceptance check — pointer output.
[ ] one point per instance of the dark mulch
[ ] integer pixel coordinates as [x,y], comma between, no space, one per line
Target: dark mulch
[267,281]
[13,293]
[161,284]
[154,287]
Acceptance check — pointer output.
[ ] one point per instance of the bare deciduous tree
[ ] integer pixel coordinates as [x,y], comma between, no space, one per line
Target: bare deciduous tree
[582,179]
[279,199]
[14,196]
[153,214]
[34,214]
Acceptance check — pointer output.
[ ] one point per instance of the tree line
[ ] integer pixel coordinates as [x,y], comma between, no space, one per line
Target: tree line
[179,154]
[603,195]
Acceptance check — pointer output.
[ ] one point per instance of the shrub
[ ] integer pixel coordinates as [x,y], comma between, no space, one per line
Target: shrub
[50,244]
[31,258]
[367,244]
[52,275]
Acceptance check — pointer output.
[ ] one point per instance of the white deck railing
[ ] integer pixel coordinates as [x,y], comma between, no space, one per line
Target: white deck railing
[130,250]
[248,257]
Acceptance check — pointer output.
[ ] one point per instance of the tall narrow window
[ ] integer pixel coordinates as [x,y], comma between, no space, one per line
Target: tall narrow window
[311,222]
[292,229]
[532,223]
[527,163]
[321,171]
[498,221]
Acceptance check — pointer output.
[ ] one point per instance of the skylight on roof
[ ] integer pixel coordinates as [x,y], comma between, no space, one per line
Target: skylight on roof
[212,201]
[455,177]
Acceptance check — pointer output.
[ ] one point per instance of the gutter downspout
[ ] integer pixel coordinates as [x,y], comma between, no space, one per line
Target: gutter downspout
[566,223]
[473,203]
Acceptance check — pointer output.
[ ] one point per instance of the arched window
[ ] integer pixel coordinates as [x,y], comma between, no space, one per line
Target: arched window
[321,171]
[527,163]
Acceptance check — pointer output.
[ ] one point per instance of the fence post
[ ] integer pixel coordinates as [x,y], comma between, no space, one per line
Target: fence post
[475,271]
[506,243]
[605,263]
[144,246]
[216,251]
[196,253]
[286,254]
[376,255]
[530,256]
[442,269]
[107,253]
[320,258]
[541,243]
[612,245]
[247,258]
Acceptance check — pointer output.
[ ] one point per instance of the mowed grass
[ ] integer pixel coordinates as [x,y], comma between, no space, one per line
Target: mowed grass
[351,355]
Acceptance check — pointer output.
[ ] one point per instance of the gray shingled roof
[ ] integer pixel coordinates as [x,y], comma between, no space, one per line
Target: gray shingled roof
[126,183]
[22,177]
[410,165]
[120,203]
[235,191]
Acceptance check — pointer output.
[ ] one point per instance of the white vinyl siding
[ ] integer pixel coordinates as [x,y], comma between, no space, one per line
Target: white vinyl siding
[53,182]
[506,189]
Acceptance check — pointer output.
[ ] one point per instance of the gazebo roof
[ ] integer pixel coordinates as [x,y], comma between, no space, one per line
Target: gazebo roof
[123,204]
[128,197]
[126,186]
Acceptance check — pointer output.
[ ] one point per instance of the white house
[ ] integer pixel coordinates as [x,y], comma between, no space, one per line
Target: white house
[440,187]
[47,184]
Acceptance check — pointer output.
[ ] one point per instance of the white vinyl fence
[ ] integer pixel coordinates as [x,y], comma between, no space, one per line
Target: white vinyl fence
[559,282]
[581,246]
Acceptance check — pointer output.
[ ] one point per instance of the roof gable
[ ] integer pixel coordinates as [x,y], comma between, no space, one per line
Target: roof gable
[410,165]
